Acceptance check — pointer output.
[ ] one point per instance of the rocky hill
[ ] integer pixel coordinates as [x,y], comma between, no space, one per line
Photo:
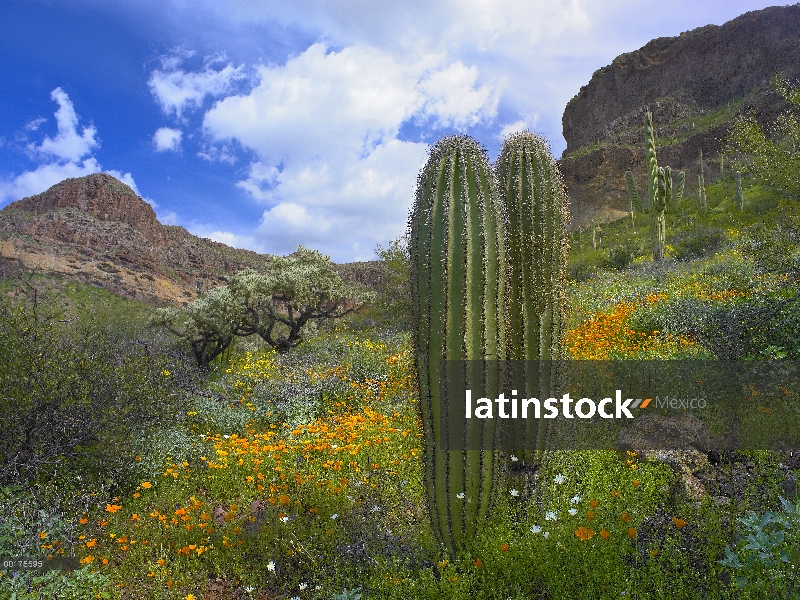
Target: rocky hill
[95,229]
[695,84]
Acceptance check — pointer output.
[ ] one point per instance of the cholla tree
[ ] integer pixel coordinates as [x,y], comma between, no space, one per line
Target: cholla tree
[295,291]
[208,324]
[278,305]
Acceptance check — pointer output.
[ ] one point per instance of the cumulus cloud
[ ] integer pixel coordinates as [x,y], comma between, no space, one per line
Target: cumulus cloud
[324,127]
[66,155]
[167,139]
[177,90]
[68,145]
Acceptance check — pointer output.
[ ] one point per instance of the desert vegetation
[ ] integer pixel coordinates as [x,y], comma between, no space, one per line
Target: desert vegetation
[274,464]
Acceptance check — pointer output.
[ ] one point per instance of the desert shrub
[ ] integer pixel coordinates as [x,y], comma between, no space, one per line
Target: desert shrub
[697,242]
[623,255]
[74,397]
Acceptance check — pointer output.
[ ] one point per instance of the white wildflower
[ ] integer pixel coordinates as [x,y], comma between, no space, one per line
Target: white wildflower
[271,566]
[575,500]
[551,516]
[514,493]
[334,516]
[460,495]
[514,458]
[573,511]
[536,529]
[559,479]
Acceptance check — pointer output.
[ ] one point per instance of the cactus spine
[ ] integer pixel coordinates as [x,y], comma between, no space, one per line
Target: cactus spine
[661,193]
[739,195]
[457,254]
[535,202]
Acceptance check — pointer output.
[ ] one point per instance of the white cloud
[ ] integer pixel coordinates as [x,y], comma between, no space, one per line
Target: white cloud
[176,90]
[34,125]
[68,144]
[324,127]
[168,218]
[452,98]
[220,153]
[167,139]
[43,177]
[66,155]
[512,128]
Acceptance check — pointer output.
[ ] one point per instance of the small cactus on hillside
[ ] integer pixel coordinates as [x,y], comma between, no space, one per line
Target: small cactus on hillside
[661,193]
[701,186]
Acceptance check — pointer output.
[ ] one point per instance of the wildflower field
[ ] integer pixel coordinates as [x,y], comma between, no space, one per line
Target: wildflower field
[299,475]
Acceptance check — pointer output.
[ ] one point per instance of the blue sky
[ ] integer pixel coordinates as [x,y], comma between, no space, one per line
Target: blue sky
[265,124]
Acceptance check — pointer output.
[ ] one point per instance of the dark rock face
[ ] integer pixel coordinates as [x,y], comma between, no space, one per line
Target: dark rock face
[695,85]
[704,68]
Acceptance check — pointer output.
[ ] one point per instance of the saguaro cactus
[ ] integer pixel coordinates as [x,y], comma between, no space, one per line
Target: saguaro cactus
[661,192]
[457,274]
[535,200]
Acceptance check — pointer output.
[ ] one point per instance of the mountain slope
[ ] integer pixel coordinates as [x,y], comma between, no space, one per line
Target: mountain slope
[95,229]
[695,84]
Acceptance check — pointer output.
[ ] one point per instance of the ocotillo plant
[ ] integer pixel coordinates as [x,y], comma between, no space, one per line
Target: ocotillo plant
[535,200]
[739,195]
[457,273]
[660,191]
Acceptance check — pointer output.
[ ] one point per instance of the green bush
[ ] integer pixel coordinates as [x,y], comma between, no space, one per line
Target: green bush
[75,397]
[697,242]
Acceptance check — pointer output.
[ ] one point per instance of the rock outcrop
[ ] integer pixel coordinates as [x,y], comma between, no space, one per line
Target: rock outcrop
[95,229]
[695,84]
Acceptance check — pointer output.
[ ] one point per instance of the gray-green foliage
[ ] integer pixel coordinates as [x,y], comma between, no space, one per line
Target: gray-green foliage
[279,304]
[662,191]
[767,557]
[295,290]
[772,156]
[208,324]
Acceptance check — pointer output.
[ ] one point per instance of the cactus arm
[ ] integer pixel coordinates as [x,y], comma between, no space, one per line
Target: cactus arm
[652,162]
[678,189]
[633,193]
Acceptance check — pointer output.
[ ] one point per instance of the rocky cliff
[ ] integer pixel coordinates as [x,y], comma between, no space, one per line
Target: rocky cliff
[95,229]
[695,84]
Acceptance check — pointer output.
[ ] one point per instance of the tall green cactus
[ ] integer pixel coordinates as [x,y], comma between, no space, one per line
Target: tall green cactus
[457,252]
[535,200]
[661,193]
